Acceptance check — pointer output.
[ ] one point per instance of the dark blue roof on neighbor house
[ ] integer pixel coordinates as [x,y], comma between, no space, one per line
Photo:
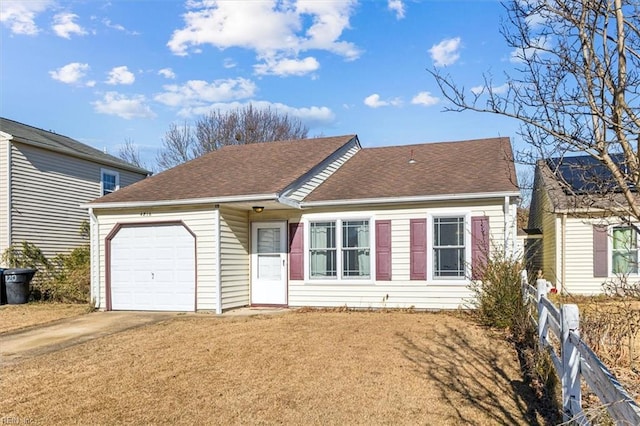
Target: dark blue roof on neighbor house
[585,175]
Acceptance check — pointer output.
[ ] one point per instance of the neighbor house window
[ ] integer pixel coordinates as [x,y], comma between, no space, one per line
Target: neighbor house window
[624,250]
[110,181]
[448,247]
[339,249]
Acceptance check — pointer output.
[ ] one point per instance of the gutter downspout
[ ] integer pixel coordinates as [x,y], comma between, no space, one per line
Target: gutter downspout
[563,261]
[94,239]
[9,194]
[218,260]
[505,210]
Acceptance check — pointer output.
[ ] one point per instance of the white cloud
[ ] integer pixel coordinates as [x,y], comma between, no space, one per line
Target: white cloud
[497,90]
[313,116]
[229,63]
[396,6]
[64,25]
[445,52]
[374,101]
[72,73]
[20,15]
[287,66]
[121,75]
[425,98]
[114,103]
[107,23]
[167,73]
[199,92]
[275,30]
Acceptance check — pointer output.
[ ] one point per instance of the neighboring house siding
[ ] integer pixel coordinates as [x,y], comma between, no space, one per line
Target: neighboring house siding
[5,145]
[308,186]
[202,222]
[47,189]
[234,257]
[401,291]
[579,258]
[549,242]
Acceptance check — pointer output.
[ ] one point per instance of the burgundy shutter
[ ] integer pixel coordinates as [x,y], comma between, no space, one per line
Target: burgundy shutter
[479,245]
[418,249]
[296,251]
[600,251]
[383,250]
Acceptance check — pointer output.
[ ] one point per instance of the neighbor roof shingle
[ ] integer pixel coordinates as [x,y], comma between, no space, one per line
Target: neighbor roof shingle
[465,167]
[53,141]
[241,170]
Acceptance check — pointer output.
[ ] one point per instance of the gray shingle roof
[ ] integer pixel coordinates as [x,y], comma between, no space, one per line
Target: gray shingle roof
[60,143]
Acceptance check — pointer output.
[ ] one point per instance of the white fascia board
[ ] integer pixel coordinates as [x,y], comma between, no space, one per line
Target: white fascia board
[192,201]
[5,136]
[413,199]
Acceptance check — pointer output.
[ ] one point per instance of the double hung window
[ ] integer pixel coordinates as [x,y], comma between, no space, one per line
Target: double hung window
[448,247]
[624,251]
[340,249]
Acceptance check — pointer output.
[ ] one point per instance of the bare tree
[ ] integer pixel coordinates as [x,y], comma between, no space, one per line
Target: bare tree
[178,146]
[130,153]
[218,129]
[576,89]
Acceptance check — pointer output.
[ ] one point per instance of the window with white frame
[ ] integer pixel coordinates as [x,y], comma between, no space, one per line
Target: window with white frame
[624,250]
[339,249]
[110,181]
[449,247]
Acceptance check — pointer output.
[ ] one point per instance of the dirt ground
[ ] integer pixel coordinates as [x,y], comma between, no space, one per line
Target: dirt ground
[15,317]
[294,368]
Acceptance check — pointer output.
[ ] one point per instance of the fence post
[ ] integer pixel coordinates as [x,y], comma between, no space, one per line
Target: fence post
[524,284]
[571,395]
[541,291]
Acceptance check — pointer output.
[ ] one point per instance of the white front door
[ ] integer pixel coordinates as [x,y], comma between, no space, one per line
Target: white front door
[269,263]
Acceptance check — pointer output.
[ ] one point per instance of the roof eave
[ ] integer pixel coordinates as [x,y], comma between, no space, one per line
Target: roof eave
[183,202]
[409,199]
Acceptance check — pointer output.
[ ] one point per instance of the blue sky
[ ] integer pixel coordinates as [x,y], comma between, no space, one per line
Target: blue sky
[103,72]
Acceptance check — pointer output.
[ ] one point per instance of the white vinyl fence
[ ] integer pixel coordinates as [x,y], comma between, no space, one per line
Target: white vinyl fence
[576,360]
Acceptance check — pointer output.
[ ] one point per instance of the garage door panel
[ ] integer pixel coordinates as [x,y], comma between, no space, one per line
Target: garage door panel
[153,268]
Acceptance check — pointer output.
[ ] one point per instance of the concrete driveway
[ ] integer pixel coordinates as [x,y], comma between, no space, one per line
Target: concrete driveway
[38,340]
[33,341]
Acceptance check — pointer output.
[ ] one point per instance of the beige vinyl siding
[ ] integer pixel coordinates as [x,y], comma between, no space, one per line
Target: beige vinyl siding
[401,292]
[234,258]
[579,258]
[550,243]
[305,189]
[47,189]
[5,145]
[201,221]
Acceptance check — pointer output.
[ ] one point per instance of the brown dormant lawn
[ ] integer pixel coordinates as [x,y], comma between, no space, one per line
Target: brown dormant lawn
[15,317]
[295,368]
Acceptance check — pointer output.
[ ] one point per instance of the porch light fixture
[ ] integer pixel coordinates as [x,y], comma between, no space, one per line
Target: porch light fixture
[258,209]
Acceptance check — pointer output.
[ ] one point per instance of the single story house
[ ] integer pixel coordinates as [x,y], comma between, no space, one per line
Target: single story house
[316,222]
[584,244]
[44,178]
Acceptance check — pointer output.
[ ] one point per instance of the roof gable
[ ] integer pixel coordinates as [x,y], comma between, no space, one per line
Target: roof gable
[40,138]
[437,169]
[252,170]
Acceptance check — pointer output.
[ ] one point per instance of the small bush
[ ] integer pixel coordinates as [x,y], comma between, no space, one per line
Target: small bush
[498,296]
[65,278]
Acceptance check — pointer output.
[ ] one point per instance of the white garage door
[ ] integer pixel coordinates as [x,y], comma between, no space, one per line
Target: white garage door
[153,269]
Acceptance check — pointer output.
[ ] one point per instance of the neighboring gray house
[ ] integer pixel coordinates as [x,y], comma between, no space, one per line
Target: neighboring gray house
[44,178]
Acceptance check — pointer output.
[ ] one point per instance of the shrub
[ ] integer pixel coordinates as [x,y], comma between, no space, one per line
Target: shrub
[497,297]
[65,278]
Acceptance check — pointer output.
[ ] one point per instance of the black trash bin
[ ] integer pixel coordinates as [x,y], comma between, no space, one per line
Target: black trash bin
[3,290]
[16,281]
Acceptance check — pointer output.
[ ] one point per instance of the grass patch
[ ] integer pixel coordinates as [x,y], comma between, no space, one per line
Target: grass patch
[16,317]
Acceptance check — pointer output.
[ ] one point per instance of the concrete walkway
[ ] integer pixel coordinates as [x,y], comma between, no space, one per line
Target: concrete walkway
[38,340]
